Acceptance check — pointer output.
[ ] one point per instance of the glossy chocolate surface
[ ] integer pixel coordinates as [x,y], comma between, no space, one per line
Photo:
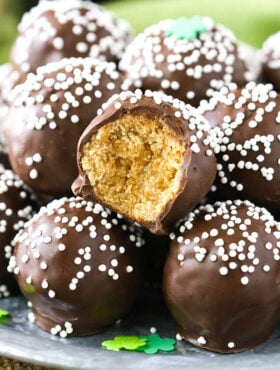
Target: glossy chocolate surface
[79,265]
[221,276]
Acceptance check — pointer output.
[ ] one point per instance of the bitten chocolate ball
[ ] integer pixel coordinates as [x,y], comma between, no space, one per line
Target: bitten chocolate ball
[188,58]
[79,265]
[248,122]
[49,113]
[221,278]
[54,30]
[270,57]
[17,205]
[147,157]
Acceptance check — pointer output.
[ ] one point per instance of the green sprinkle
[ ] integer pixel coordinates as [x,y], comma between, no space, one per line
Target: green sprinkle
[157,344]
[130,343]
[3,313]
[4,316]
[187,28]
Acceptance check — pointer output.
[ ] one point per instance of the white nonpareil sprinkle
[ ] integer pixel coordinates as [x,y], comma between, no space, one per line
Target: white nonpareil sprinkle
[33,174]
[180,257]
[201,340]
[43,265]
[223,271]
[153,330]
[129,269]
[179,337]
[51,293]
[244,280]
[231,345]
[102,268]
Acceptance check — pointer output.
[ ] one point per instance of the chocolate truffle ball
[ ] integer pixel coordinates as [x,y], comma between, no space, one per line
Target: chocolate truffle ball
[17,205]
[188,58]
[147,157]
[54,30]
[270,57]
[49,112]
[221,278]
[249,136]
[79,265]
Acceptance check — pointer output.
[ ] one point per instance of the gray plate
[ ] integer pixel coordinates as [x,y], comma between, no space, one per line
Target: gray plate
[22,340]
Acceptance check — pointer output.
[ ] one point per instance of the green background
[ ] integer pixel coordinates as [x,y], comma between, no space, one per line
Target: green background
[251,20]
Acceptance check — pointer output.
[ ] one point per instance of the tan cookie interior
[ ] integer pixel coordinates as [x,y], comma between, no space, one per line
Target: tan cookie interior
[134,165]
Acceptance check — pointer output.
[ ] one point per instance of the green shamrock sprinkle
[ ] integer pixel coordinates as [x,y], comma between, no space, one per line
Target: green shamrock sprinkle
[187,28]
[129,343]
[3,313]
[3,316]
[150,344]
[155,344]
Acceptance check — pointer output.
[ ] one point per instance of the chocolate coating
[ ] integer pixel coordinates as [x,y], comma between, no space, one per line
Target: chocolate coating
[79,265]
[53,30]
[49,112]
[198,167]
[188,69]
[270,56]
[249,136]
[17,205]
[221,276]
